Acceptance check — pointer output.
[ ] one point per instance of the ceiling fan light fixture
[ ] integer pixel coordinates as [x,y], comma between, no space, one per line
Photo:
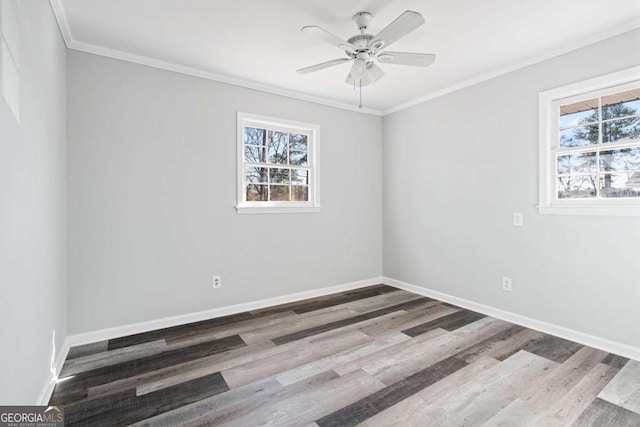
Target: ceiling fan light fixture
[362,81]
[364,49]
[374,72]
[359,68]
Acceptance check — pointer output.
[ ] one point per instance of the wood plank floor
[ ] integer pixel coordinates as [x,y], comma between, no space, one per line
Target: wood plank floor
[376,356]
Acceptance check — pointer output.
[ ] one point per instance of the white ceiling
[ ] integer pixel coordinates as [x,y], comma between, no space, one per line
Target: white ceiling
[258,43]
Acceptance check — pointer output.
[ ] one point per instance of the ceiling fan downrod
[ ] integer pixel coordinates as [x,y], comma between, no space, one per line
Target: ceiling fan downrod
[361,19]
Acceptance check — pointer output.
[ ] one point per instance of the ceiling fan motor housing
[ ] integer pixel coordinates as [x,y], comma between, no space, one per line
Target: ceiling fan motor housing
[361,41]
[364,49]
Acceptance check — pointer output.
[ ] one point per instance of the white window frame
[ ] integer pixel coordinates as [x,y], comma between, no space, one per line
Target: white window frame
[548,103]
[313,159]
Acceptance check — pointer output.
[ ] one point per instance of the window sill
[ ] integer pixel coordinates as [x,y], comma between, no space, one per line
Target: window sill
[590,210]
[277,209]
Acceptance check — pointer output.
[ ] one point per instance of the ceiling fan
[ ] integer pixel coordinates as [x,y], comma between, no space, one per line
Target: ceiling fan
[365,49]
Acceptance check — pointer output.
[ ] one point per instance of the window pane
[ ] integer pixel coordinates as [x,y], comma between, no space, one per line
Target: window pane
[577,163]
[298,158]
[254,154]
[300,193]
[255,174]
[279,175]
[277,147]
[299,176]
[620,184]
[578,137]
[298,142]
[619,130]
[624,159]
[621,104]
[280,193]
[579,113]
[254,136]
[256,193]
[577,187]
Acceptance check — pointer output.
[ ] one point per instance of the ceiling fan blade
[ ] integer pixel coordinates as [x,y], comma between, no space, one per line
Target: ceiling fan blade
[407,58]
[330,38]
[402,26]
[322,65]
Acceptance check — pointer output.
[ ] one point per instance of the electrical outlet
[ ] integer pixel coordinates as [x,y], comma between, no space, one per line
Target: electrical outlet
[217,282]
[506,284]
[518,219]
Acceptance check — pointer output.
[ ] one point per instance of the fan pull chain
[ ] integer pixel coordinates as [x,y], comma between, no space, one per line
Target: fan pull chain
[360,105]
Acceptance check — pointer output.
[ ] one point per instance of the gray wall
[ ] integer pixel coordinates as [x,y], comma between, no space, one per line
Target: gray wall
[32,207]
[457,167]
[152,190]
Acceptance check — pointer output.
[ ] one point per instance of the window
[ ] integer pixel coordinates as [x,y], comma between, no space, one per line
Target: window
[590,146]
[278,167]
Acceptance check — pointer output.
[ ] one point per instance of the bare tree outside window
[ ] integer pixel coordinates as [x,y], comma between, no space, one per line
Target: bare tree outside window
[276,165]
[596,171]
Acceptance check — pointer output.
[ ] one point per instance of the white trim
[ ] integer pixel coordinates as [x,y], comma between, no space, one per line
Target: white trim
[517,66]
[63,23]
[47,390]
[136,328]
[234,81]
[619,210]
[277,210]
[545,123]
[528,322]
[548,102]
[71,43]
[600,82]
[277,122]
[313,167]
[167,322]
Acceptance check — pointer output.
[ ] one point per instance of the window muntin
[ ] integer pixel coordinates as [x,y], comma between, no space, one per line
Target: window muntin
[598,154]
[590,146]
[278,166]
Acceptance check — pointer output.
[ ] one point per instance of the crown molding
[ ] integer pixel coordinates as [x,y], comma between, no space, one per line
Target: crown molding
[63,22]
[517,66]
[71,43]
[248,84]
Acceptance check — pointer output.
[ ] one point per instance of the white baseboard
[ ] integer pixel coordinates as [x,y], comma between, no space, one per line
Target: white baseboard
[47,390]
[549,328]
[136,328]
